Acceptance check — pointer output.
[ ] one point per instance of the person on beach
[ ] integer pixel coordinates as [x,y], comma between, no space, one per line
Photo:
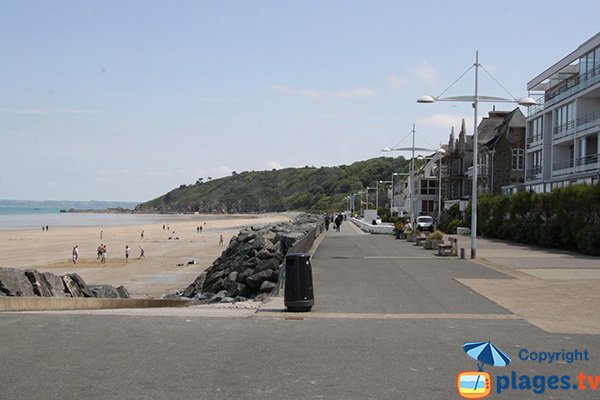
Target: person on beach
[127,250]
[141,251]
[101,234]
[197,229]
[103,255]
[99,251]
[43,228]
[142,235]
[164,227]
[220,240]
[200,229]
[75,254]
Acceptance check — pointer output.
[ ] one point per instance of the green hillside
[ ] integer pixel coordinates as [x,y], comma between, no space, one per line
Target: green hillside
[304,189]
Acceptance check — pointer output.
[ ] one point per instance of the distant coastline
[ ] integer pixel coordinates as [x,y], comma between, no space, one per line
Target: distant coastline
[115,210]
[27,207]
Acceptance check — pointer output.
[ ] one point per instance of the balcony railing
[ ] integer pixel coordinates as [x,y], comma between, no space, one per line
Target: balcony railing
[534,172]
[539,107]
[581,164]
[588,121]
[534,141]
[587,163]
[572,86]
[563,130]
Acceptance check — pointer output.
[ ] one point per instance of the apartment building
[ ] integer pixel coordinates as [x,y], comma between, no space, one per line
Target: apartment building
[563,129]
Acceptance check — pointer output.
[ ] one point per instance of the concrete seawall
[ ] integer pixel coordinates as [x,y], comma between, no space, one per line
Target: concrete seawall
[81,303]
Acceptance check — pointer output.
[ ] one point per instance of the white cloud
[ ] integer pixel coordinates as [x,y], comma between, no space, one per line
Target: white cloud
[273,165]
[48,111]
[222,171]
[396,83]
[445,121]
[361,92]
[425,72]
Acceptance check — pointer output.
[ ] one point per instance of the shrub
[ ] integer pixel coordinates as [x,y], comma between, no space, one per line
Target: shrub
[588,239]
[550,234]
[452,225]
[435,235]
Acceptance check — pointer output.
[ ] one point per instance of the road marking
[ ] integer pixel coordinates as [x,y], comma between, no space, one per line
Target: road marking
[318,315]
[404,257]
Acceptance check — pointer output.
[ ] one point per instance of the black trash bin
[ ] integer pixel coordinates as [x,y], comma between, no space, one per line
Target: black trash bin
[299,294]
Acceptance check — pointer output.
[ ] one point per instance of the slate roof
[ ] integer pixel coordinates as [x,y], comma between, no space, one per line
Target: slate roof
[491,128]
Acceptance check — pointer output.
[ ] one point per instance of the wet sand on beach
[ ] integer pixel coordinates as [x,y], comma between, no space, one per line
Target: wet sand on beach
[159,272]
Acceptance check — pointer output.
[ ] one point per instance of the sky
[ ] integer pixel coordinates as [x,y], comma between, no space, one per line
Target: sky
[126,100]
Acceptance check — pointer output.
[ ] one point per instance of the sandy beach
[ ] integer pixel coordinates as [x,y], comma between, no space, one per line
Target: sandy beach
[165,267]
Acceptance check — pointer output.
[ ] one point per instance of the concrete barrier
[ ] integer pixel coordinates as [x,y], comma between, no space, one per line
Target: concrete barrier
[383,228]
[81,303]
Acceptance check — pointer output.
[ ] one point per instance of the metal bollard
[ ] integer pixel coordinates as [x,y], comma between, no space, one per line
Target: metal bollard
[462,253]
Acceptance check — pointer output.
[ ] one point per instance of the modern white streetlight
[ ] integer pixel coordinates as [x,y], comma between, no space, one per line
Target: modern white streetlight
[440,154]
[475,99]
[412,168]
[368,188]
[392,200]
[377,201]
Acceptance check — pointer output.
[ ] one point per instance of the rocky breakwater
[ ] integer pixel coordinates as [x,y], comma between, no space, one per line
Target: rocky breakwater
[30,282]
[250,265]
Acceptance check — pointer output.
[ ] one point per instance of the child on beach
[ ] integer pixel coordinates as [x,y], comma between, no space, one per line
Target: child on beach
[127,249]
[220,240]
[75,254]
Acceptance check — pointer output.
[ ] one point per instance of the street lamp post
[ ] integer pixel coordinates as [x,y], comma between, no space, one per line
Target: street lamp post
[412,168]
[377,197]
[475,99]
[392,188]
[392,199]
[440,153]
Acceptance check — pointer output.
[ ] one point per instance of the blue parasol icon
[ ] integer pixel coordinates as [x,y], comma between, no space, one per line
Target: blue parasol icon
[486,353]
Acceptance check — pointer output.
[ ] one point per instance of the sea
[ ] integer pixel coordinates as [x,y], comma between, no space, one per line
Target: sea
[23,214]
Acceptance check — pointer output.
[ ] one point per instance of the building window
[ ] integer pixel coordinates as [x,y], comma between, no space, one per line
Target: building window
[517,159]
[564,118]
[427,206]
[535,130]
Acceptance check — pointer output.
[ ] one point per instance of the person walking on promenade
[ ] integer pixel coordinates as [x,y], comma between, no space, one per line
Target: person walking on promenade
[220,240]
[75,254]
[338,222]
[327,222]
[127,250]
[141,252]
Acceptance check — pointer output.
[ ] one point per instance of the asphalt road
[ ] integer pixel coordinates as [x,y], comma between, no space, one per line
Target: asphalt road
[389,323]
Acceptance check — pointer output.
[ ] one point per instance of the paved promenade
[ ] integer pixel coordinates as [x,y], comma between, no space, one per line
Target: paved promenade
[555,290]
[389,322]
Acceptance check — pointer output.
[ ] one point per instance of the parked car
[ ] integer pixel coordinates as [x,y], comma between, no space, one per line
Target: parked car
[425,223]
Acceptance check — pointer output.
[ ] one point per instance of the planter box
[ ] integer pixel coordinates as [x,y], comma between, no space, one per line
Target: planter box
[428,244]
